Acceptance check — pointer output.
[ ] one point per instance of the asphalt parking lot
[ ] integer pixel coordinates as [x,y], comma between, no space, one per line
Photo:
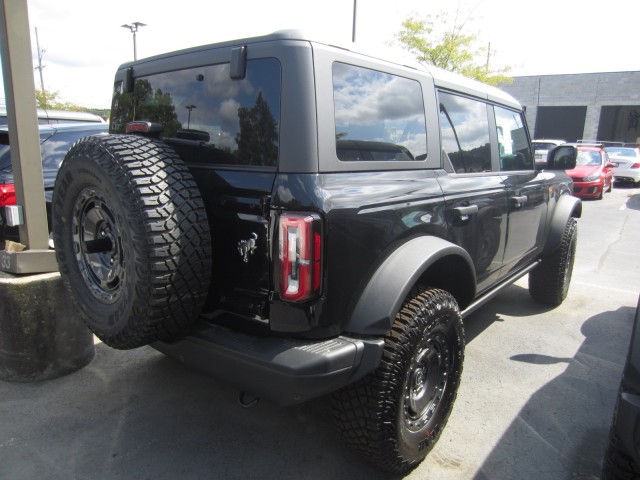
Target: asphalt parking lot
[536,398]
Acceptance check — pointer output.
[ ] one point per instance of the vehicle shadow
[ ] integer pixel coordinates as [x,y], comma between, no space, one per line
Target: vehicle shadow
[138,414]
[634,197]
[634,202]
[513,301]
[542,438]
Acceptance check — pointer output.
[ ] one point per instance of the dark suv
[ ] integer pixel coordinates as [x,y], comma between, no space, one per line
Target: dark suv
[55,142]
[299,219]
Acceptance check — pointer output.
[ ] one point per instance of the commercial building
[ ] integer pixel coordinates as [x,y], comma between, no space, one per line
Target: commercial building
[589,106]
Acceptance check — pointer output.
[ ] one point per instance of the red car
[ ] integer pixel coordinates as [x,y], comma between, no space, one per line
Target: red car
[593,173]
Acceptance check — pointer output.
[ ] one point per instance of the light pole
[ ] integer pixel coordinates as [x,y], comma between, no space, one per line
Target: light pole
[189,107]
[134,28]
[355,11]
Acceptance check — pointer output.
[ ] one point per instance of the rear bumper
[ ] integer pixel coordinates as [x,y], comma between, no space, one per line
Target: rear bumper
[285,371]
[626,177]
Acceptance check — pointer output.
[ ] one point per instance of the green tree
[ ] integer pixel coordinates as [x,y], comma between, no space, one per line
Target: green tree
[439,41]
[51,101]
[144,104]
[258,135]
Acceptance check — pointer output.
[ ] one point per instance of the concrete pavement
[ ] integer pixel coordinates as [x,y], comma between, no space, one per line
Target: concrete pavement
[536,397]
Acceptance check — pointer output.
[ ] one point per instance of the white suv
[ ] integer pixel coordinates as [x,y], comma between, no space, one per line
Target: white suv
[541,148]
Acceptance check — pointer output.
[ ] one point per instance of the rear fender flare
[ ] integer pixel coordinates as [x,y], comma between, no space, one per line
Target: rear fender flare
[389,286]
[567,206]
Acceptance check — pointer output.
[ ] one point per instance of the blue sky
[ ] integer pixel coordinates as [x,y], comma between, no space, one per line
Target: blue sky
[85,42]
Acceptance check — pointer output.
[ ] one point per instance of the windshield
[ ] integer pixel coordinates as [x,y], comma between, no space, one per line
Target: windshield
[622,152]
[588,158]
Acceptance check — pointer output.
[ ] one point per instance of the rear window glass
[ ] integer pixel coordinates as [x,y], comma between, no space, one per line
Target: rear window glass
[378,116]
[207,116]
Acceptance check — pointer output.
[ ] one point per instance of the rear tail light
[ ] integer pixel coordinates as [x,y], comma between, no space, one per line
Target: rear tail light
[635,165]
[300,256]
[7,194]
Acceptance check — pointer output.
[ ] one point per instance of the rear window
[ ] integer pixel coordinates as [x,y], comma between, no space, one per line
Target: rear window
[543,146]
[621,152]
[207,116]
[378,116]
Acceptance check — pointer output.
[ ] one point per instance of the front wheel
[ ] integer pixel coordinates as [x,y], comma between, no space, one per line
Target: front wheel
[395,415]
[549,281]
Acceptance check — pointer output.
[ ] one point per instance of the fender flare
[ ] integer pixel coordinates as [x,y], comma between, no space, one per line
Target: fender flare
[566,207]
[389,286]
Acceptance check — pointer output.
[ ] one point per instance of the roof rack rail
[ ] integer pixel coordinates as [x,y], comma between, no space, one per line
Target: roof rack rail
[601,142]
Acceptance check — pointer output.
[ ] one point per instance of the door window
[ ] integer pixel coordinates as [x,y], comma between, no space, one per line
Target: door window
[513,142]
[464,128]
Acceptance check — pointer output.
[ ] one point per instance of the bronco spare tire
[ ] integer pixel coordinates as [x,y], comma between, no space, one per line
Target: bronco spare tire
[132,239]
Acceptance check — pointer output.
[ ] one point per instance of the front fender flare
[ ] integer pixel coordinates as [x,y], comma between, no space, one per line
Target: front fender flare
[389,286]
[566,207]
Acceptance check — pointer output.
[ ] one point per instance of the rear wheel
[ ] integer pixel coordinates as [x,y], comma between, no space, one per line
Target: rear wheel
[549,281]
[132,239]
[395,415]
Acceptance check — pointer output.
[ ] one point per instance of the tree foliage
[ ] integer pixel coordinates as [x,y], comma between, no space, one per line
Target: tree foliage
[439,41]
[145,104]
[258,135]
[51,101]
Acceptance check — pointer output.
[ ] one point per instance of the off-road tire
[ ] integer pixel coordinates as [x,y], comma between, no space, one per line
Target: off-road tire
[132,239]
[395,415]
[549,282]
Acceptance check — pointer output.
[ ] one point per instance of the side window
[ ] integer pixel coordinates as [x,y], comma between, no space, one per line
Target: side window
[513,143]
[207,116]
[464,129]
[378,116]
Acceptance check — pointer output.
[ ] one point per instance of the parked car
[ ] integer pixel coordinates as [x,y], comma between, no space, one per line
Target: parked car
[626,164]
[47,117]
[593,173]
[55,141]
[320,223]
[541,148]
[622,456]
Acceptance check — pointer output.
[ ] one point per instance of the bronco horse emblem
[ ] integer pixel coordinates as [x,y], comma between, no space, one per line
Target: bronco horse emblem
[246,247]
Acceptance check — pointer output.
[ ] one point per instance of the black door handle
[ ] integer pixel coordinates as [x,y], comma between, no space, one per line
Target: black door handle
[519,201]
[465,212]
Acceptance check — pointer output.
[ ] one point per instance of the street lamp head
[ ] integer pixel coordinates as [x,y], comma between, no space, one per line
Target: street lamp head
[134,26]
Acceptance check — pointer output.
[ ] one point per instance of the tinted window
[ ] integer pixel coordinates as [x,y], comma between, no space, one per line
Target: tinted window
[378,116]
[209,117]
[56,147]
[5,150]
[464,127]
[513,142]
[53,147]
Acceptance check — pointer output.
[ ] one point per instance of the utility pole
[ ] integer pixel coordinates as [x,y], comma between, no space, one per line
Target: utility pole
[488,56]
[40,66]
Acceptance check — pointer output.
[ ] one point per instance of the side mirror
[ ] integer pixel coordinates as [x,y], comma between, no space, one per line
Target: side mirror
[609,165]
[562,157]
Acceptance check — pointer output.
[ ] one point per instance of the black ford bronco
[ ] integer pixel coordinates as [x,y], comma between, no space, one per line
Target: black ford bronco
[298,219]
